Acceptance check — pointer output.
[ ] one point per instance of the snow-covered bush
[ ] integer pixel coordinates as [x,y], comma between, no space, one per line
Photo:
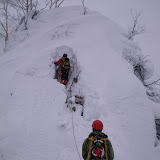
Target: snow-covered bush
[153,92]
[144,70]
[142,66]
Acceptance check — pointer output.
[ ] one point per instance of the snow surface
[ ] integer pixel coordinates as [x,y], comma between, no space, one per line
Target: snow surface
[35,122]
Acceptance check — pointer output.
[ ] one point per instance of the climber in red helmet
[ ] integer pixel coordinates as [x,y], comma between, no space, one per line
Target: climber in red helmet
[64,68]
[97,145]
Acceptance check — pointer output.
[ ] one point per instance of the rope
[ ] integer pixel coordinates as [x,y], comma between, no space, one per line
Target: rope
[70,90]
[75,137]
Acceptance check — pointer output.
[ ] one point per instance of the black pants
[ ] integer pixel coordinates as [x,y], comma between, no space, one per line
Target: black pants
[65,73]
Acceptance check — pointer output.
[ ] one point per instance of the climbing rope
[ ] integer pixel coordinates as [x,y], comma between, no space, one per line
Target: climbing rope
[70,90]
[75,137]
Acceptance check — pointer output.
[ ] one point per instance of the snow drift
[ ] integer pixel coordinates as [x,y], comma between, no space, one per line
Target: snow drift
[36,124]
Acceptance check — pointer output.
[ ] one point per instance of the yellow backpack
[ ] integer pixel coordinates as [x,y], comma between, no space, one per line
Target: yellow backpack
[97,147]
[66,63]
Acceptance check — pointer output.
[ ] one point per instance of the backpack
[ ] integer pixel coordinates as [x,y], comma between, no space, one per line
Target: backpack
[98,149]
[66,63]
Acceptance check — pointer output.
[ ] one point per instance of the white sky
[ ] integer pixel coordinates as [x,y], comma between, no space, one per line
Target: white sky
[119,11]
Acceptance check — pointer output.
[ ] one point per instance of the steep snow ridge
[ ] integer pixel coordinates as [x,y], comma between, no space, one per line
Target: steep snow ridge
[35,123]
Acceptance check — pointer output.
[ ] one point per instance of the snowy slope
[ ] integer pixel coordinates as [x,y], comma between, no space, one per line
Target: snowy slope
[35,123]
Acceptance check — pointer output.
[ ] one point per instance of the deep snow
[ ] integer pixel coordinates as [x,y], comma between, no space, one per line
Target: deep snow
[35,122]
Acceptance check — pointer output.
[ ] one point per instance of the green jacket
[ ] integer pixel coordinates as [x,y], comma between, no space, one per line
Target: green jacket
[85,147]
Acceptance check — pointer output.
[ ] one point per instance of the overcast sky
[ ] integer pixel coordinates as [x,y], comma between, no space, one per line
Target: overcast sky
[119,11]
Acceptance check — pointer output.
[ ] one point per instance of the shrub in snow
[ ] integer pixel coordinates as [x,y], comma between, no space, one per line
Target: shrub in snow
[153,92]
[63,31]
[143,68]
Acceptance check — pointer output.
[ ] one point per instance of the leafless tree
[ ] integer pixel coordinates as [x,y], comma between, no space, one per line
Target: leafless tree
[22,7]
[84,7]
[25,9]
[4,19]
[136,28]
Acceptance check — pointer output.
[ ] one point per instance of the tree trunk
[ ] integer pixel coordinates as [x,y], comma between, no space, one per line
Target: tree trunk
[6,19]
[31,4]
[56,3]
[157,121]
[26,16]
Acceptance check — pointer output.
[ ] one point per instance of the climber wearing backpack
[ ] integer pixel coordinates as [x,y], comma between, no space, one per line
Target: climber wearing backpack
[97,146]
[64,67]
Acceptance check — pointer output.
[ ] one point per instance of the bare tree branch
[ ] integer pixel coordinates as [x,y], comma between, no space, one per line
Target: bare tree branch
[2,35]
[57,3]
[137,28]
[60,3]
[3,26]
[154,82]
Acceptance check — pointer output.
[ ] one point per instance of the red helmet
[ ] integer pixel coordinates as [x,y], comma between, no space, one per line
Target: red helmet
[98,125]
